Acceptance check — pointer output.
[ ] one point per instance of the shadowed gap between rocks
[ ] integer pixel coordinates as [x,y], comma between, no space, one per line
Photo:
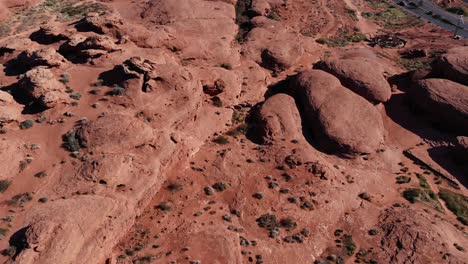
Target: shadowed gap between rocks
[306,129]
[451,162]
[31,105]
[18,242]
[13,68]
[401,110]
[243,16]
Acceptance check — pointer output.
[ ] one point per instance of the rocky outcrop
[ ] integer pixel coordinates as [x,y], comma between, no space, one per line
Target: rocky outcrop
[281,56]
[48,34]
[13,154]
[410,236]
[102,137]
[363,76]
[342,121]
[105,25]
[43,57]
[42,86]
[84,48]
[9,110]
[278,119]
[453,65]
[446,102]
[283,50]
[83,217]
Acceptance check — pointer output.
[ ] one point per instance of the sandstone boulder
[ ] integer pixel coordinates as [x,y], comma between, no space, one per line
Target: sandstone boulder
[362,76]
[278,119]
[114,133]
[12,155]
[42,85]
[108,24]
[43,57]
[341,120]
[260,7]
[9,110]
[48,34]
[445,101]
[453,65]
[214,89]
[416,235]
[74,228]
[280,56]
[79,46]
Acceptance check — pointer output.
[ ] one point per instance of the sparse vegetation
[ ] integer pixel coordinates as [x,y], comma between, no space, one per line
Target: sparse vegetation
[457,203]
[217,101]
[422,181]
[222,140]
[63,10]
[71,141]
[402,179]
[342,40]
[4,184]
[3,233]
[20,199]
[117,90]
[165,206]
[391,17]
[26,124]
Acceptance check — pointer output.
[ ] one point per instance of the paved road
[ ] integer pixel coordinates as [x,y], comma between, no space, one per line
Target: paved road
[429,6]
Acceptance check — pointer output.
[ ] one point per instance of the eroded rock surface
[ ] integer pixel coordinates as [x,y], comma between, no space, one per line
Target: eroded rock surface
[9,110]
[363,76]
[43,86]
[351,126]
[446,102]
[453,65]
[279,119]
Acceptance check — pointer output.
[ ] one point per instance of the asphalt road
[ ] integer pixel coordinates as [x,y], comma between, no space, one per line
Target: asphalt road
[429,6]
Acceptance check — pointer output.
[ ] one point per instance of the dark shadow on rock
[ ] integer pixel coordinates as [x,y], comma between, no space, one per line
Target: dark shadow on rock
[31,105]
[4,51]
[40,37]
[401,81]
[254,127]
[403,111]
[14,68]
[452,161]
[113,77]
[84,26]
[279,87]
[18,241]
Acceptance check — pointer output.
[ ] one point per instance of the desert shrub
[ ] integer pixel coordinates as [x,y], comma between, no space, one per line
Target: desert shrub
[26,124]
[457,203]
[75,96]
[71,142]
[414,195]
[221,140]
[117,90]
[20,199]
[4,184]
[217,101]
[403,179]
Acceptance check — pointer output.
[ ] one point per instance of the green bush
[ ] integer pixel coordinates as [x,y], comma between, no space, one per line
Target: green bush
[26,124]
[457,203]
[221,140]
[4,184]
